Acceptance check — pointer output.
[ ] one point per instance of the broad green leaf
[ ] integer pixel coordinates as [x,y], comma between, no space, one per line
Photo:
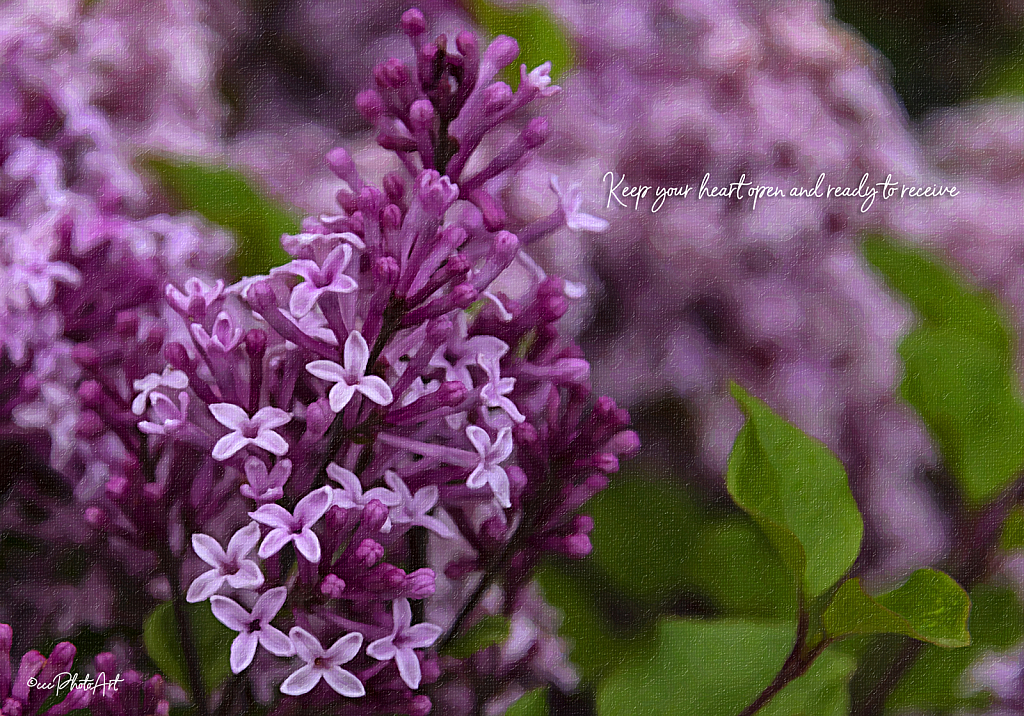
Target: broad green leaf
[795,489]
[1012,536]
[938,295]
[959,370]
[929,606]
[213,642]
[227,198]
[532,703]
[822,691]
[540,37]
[969,400]
[935,681]
[699,668]
[488,631]
[596,642]
[643,534]
[738,571]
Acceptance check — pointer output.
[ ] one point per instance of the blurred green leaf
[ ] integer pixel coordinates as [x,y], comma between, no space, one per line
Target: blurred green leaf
[532,703]
[822,691]
[540,37]
[643,533]
[938,295]
[959,370]
[1012,536]
[226,197]
[597,645]
[930,606]
[935,681]
[699,668]
[733,565]
[213,642]
[488,631]
[795,489]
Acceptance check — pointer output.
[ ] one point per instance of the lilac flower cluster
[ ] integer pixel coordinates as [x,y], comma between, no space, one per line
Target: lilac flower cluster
[372,417]
[39,678]
[84,255]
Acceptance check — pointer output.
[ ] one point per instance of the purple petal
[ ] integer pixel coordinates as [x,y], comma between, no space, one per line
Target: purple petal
[270,418]
[477,478]
[382,649]
[301,681]
[303,297]
[313,506]
[344,682]
[503,445]
[204,586]
[306,645]
[308,545]
[421,635]
[274,541]
[243,649]
[209,550]
[408,667]
[248,576]
[327,370]
[425,499]
[357,353]
[229,613]
[273,516]
[480,439]
[242,541]
[434,525]
[275,641]
[271,442]
[229,415]
[340,396]
[375,389]
[345,648]
[497,478]
[269,604]
[229,445]
[402,614]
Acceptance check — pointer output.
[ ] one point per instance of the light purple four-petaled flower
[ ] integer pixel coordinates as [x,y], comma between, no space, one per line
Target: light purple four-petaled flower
[402,641]
[257,430]
[351,377]
[324,664]
[253,627]
[488,470]
[412,510]
[297,527]
[353,497]
[229,565]
[329,278]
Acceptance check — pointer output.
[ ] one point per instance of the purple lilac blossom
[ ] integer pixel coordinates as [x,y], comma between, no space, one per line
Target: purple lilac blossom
[420,439]
[84,255]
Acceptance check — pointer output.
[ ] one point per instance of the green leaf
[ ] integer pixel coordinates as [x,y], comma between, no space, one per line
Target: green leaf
[540,37]
[226,197]
[959,370]
[213,640]
[488,631]
[699,668]
[930,606]
[822,691]
[643,535]
[938,295]
[1012,536]
[935,680]
[532,703]
[968,399]
[795,489]
[597,644]
[739,572]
